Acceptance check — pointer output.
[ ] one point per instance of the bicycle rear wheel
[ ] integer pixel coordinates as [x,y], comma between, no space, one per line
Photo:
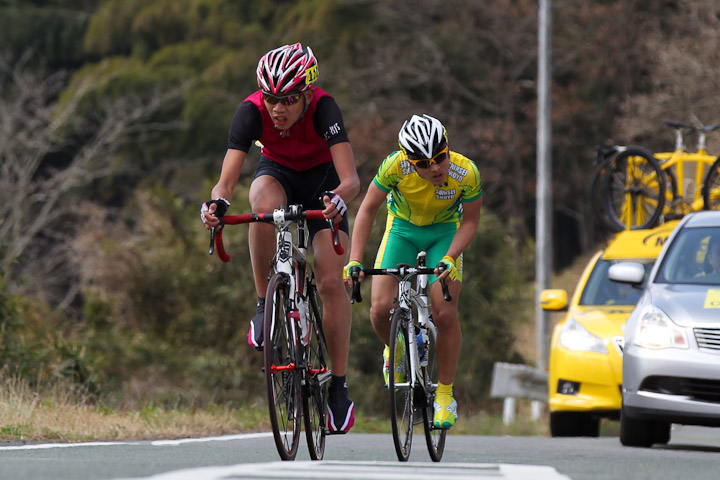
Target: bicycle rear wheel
[434,437]
[315,390]
[711,187]
[633,190]
[401,392]
[281,377]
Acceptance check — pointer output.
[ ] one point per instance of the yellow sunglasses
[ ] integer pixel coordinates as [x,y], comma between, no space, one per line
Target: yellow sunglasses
[441,156]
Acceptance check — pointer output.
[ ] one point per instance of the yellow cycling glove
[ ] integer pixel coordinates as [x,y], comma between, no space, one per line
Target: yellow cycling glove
[351,264]
[449,264]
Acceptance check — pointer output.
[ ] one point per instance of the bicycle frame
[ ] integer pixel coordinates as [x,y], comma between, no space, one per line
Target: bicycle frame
[407,296]
[687,196]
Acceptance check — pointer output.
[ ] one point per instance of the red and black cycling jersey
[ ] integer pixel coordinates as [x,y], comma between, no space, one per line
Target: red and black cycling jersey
[305,145]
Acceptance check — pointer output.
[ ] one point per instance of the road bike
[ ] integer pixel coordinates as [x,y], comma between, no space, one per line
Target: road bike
[413,332]
[638,189]
[296,363]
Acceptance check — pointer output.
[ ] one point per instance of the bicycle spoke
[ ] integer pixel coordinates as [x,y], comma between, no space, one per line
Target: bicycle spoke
[401,391]
[633,191]
[281,377]
[434,437]
[316,382]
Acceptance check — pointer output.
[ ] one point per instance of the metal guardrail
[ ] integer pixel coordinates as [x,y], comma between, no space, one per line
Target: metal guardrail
[511,381]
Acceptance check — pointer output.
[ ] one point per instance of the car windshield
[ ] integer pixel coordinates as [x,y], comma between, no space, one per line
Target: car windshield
[693,258]
[600,290]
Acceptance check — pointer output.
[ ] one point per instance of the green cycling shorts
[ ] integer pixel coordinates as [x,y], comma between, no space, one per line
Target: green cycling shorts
[402,241]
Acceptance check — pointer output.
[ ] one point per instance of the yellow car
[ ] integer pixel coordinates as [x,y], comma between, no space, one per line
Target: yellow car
[585,367]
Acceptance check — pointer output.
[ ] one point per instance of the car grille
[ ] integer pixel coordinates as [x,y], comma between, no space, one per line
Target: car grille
[708,338]
[695,388]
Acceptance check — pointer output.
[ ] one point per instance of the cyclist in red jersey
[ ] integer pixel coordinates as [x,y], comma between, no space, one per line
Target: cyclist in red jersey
[306,159]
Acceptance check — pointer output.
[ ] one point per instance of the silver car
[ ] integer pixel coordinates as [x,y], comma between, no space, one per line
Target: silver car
[671,365]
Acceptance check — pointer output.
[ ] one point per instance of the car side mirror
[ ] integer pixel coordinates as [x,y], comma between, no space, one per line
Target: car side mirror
[554,300]
[627,272]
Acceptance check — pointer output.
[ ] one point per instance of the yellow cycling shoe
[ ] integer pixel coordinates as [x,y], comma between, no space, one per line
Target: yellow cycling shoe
[445,411]
[400,365]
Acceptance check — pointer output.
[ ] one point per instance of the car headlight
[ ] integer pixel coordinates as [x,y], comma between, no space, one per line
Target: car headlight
[656,330]
[576,337]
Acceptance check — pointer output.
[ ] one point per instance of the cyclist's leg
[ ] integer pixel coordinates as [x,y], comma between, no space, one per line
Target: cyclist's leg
[449,334]
[337,313]
[267,192]
[397,246]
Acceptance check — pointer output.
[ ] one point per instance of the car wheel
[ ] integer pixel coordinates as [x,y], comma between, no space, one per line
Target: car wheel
[574,424]
[637,433]
[662,433]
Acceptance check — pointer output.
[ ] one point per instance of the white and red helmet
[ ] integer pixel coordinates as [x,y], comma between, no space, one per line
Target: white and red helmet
[287,69]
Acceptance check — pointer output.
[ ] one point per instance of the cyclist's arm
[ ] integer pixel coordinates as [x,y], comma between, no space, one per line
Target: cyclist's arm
[344,162]
[229,176]
[364,220]
[468,228]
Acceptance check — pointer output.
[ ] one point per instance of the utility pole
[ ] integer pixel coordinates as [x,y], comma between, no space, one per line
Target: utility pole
[543,217]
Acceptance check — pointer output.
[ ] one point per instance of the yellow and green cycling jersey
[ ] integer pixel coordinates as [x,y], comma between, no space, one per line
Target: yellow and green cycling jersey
[414,199]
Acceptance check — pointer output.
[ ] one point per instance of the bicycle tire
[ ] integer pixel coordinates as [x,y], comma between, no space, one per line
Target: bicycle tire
[596,180]
[402,406]
[434,437]
[315,390]
[711,187]
[633,190]
[281,378]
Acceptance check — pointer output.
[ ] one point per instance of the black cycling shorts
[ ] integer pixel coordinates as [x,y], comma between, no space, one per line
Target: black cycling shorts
[304,188]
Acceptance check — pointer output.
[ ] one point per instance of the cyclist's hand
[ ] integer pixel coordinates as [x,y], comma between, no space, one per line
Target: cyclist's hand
[334,205]
[446,268]
[212,212]
[351,271]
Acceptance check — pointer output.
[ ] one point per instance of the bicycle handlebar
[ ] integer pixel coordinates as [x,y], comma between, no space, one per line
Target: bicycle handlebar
[278,217]
[401,271]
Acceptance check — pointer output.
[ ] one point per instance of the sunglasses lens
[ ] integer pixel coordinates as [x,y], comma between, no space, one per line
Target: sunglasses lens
[291,99]
[286,100]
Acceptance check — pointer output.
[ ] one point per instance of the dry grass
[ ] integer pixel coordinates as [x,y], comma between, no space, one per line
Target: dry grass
[58,414]
[54,415]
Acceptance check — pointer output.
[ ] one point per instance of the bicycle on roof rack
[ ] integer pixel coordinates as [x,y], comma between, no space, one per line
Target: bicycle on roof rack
[638,188]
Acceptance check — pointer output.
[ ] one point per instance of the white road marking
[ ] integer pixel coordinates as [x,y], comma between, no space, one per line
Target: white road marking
[156,443]
[365,471]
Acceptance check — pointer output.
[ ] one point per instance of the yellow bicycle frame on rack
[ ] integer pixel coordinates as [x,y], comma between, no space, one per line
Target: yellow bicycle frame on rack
[686,170]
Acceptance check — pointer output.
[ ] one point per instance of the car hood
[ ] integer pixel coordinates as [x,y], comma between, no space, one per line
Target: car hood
[602,321]
[688,305]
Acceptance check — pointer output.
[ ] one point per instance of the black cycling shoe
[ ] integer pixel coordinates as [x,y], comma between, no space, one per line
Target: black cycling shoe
[255,335]
[341,411]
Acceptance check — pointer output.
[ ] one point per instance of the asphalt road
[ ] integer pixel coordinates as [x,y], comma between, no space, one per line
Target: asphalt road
[693,453]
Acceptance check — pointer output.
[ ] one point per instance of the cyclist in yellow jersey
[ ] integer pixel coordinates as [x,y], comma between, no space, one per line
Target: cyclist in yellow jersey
[433,197]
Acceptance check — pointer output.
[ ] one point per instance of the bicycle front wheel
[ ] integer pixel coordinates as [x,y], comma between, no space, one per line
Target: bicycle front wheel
[711,187]
[315,390]
[633,190]
[281,377]
[399,384]
[434,437]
